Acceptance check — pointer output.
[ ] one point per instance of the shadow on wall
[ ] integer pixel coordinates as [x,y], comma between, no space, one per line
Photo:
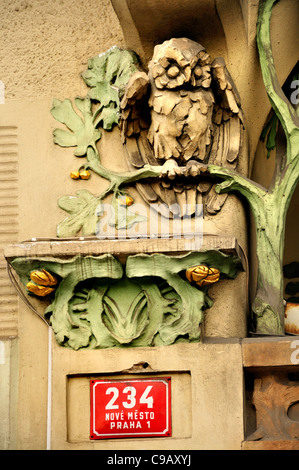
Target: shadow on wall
[146,24]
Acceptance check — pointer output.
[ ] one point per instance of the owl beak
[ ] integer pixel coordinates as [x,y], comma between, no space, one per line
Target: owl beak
[187,73]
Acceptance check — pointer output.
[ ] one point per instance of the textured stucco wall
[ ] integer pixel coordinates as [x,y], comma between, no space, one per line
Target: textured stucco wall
[44,45]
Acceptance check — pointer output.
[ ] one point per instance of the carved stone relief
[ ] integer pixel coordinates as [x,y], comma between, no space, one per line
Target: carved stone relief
[174,120]
[194,116]
[182,127]
[273,398]
[182,115]
[152,300]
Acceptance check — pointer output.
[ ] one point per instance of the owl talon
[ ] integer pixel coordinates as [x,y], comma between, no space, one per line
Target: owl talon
[194,168]
[170,169]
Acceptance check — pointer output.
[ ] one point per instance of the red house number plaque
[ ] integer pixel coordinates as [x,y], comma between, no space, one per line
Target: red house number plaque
[130,408]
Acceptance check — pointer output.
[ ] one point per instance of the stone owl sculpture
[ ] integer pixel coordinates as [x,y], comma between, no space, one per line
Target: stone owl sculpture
[184,113]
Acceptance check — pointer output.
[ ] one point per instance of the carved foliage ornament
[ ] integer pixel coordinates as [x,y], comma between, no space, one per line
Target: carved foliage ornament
[96,302]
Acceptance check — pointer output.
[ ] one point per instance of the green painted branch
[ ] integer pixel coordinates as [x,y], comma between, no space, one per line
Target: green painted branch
[268,307]
[270,230]
[119,179]
[253,192]
[268,304]
[269,207]
[281,105]
[269,210]
[285,186]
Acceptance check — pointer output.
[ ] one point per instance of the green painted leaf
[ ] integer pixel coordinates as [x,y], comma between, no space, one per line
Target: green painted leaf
[123,217]
[82,129]
[269,134]
[64,138]
[110,70]
[84,214]
[104,93]
[271,140]
[107,76]
[124,312]
[63,112]
[108,117]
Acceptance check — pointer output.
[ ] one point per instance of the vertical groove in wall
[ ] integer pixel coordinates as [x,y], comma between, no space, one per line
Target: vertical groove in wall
[9,211]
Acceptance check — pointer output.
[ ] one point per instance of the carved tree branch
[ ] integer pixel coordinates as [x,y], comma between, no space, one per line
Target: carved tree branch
[252,191]
[269,207]
[118,179]
[280,104]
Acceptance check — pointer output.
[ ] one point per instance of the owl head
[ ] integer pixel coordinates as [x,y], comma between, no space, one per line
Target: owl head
[180,62]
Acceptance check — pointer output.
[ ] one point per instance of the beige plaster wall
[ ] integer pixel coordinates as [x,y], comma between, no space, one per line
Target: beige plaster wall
[8,393]
[44,46]
[204,378]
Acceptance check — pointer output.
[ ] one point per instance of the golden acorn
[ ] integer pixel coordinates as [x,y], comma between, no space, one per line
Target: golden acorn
[40,291]
[129,200]
[84,175]
[203,275]
[126,201]
[75,175]
[43,278]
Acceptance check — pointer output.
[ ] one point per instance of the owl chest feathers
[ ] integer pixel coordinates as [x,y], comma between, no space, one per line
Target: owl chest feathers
[181,123]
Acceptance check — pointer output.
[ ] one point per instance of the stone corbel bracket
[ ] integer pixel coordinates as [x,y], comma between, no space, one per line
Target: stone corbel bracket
[271,375]
[122,293]
[147,23]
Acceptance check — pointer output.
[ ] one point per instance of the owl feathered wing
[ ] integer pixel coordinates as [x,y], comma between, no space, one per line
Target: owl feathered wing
[171,199]
[228,129]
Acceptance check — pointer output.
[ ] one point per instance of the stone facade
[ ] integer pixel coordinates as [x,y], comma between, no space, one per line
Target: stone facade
[44,399]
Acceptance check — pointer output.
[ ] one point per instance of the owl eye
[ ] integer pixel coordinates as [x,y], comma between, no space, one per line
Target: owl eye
[197,71]
[173,71]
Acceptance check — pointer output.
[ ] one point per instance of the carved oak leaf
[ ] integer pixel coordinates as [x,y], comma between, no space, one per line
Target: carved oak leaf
[83,210]
[111,69]
[107,76]
[108,116]
[83,132]
[123,218]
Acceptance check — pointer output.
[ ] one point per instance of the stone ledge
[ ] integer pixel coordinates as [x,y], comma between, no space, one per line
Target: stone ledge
[271,352]
[95,246]
[270,445]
